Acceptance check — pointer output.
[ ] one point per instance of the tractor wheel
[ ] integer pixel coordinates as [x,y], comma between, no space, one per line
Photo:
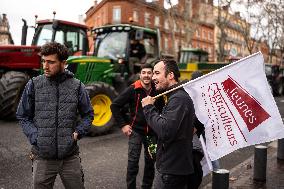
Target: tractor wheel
[12,84]
[101,96]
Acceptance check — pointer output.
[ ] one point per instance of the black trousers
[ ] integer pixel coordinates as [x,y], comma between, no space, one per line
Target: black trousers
[195,179]
[169,181]
[135,143]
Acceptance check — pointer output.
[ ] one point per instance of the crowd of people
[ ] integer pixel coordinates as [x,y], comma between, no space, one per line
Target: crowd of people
[166,127]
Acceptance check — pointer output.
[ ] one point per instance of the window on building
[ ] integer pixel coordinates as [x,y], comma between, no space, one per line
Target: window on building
[183,44]
[166,44]
[197,45]
[197,33]
[209,50]
[102,16]
[175,27]
[4,28]
[210,36]
[116,14]
[157,21]
[167,25]
[147,19]
[99,20]
[182,31]
[176,45]
[204,34]
[135,16]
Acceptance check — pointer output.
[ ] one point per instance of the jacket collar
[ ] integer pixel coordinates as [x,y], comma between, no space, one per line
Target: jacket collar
[137,85]
[62,76]
[173,86]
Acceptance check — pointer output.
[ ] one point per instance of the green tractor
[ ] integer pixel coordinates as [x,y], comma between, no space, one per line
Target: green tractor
[107,72]
[192,60]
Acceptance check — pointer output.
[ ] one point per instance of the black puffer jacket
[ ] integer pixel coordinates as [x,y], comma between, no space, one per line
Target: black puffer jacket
[48,114]
[174,127]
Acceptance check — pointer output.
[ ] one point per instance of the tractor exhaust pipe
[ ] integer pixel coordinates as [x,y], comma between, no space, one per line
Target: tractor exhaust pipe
[85,46]
[24,32]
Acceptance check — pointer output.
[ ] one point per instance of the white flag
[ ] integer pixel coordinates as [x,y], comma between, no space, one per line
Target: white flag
[205,162]
[236,106]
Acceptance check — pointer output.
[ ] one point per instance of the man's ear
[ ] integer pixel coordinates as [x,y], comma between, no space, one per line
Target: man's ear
[171,75]
[64,63]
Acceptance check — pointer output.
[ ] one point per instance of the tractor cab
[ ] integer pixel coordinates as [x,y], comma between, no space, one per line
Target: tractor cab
[189,55]
[192,60]
[72,35]
[116,42]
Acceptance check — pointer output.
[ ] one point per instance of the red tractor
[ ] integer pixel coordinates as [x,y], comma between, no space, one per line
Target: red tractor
[19,63]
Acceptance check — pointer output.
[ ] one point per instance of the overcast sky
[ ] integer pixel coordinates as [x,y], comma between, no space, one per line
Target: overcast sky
[69,10]
[17,9]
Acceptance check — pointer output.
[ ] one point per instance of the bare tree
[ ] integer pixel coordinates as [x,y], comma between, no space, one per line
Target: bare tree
[280,43]
[252,22]
[222,21]
[190,20]
[172,18]
[272,25]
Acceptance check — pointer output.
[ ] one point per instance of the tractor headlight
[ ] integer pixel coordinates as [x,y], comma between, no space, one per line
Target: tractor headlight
[121,61]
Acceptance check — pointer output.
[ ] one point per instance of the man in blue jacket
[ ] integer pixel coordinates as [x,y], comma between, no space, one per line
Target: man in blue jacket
[48,113]
[174,127]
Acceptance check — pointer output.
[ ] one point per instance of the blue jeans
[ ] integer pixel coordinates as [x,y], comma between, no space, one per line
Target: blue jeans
[69,169]
[134,150]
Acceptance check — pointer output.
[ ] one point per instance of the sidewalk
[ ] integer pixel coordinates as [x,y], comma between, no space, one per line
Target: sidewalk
[241,176]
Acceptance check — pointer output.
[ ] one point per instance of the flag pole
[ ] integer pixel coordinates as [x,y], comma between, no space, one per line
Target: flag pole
[191,81]
[166,92]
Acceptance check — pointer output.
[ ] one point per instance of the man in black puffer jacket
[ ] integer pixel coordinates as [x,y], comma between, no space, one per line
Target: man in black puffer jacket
[48,113]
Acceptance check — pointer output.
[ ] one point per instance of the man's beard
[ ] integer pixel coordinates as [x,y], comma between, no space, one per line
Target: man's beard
[161,90]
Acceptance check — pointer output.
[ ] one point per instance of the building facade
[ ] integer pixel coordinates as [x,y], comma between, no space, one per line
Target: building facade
[178,25]
[233,38]
[5,35]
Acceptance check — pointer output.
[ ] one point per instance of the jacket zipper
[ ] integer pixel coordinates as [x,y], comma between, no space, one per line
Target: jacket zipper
[56,118]
[136,110]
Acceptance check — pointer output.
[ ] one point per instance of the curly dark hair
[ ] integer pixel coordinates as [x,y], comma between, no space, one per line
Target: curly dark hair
[54,48]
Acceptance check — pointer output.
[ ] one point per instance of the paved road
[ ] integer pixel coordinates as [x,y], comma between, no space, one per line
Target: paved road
[104,159]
